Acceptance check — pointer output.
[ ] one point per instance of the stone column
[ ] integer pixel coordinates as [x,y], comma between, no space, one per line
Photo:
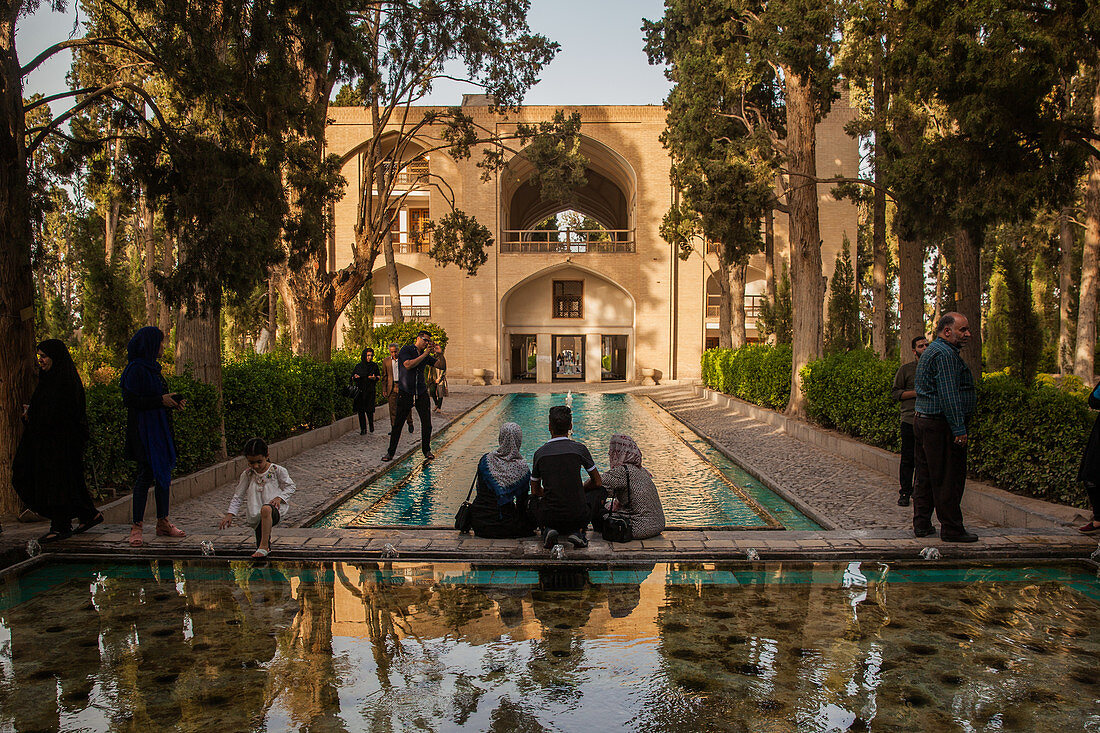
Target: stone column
[544,361]
[593,353]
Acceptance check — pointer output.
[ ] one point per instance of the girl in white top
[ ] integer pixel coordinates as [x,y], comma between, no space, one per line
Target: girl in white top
[264,488]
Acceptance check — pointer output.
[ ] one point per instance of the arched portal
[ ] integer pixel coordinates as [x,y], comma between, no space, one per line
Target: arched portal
[567,324]
[754,298]
[415,290]
[607,197]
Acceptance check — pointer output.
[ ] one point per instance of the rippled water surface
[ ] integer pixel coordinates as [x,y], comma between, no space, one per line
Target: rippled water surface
[670,647]
[699,486]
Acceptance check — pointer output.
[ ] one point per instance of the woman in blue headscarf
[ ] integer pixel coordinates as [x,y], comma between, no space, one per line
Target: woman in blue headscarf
[503,482]
[149,437]
[48,469]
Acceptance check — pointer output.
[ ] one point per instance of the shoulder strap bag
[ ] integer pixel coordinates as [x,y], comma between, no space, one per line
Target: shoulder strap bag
[463,517]
[616,526]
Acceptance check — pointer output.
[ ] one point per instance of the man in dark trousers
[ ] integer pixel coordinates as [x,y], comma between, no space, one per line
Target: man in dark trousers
[556,481]
[945,401]
[412,391]
[905,392]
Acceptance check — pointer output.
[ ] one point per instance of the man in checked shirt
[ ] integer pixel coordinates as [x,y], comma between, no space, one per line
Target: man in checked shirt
[945,401]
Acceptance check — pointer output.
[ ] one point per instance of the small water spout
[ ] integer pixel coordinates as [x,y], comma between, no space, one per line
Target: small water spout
[388,550]
[752,554]
[207,548]
[1096,553]
[569,398]
[557,552]
[930,553]
[33,548]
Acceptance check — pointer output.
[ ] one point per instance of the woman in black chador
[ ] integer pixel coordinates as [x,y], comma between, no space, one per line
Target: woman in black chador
[48,470]
[365,376]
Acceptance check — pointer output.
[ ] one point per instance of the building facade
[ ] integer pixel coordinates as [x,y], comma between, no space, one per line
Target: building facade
[585,291]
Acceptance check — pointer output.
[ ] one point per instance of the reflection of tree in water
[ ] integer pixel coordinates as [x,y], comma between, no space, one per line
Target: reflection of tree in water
[304,675]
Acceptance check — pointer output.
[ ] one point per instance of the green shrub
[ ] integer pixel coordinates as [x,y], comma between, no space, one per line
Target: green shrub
[1030,440]
[850,391]
[405,333]
[756,373]
[198,440]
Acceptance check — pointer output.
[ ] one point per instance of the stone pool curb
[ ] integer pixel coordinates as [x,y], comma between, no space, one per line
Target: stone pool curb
[672,546]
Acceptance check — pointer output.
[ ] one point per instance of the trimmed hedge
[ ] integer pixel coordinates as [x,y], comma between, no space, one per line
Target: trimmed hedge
[850,391]
[756,373]
[1025,440]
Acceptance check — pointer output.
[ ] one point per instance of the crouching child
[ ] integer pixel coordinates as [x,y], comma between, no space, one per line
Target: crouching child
[264,489]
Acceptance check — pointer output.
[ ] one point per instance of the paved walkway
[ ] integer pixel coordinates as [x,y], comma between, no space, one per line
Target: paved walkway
[859,502]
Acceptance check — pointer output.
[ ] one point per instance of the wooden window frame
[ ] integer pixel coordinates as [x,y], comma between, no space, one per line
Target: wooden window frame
[558,312]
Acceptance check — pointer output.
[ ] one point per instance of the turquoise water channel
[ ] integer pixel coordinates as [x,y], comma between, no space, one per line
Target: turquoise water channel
[699,486]
[677,647]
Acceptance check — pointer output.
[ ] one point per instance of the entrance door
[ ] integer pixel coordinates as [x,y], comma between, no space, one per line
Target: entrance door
[569,358]
[613,358]
[524,357]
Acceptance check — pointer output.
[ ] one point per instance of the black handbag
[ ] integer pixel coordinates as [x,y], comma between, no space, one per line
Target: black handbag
[616,526]
[464,515]
[351,390]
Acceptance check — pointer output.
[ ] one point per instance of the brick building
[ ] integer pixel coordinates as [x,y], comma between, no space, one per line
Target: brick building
[589,298]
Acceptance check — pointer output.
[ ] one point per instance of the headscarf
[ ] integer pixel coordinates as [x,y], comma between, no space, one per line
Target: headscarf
[505,470]
[59,390]
[623,449]
[363,357]
[142,377]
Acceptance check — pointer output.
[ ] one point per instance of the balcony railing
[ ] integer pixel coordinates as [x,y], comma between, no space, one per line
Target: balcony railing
[405,242]
[568,241]
[753,306]
[413,307]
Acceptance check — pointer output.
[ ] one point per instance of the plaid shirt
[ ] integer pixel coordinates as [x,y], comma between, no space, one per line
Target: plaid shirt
[945,385]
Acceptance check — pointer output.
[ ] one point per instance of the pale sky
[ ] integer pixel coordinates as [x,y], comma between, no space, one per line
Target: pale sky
[601,59]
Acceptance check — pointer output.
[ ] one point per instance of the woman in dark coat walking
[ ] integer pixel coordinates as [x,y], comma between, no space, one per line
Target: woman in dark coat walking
[365,376]
[149,437]
[48,470]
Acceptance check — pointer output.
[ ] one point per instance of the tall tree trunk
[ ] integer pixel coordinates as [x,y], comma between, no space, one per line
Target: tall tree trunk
[148,246]
[737,274]
[725,306]
[16,236]
[1065,287]
[1083,364]
[111,216]
[879,305]
[167,264]
[769,255]
[911,292]
[396,312]
[199,352]
[808,288]
[968,282]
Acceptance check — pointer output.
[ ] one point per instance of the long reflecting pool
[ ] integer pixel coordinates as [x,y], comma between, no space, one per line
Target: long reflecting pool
[699,486]
[669,647]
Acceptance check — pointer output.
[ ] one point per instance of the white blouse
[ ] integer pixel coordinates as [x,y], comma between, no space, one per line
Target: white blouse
[257,489]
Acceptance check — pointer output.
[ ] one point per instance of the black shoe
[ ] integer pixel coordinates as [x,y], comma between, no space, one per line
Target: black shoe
[429,456]
[387,458]
[550,538]
[578,539]
[924,532]
[372,428]
[85,526]
[964,537]
[410,427]
[55,535]
[363,431]
[903,500]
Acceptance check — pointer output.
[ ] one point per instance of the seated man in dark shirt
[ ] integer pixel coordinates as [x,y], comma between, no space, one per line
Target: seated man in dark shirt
[556,479]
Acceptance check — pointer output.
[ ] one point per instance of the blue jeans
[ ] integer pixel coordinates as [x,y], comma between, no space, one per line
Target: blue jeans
[141,492]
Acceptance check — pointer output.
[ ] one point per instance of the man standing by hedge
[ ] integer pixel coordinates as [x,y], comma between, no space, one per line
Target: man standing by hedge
[905,392]
[412,390]
[945,401]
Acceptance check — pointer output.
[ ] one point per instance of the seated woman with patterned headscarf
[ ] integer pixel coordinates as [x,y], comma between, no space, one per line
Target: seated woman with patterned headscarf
[631,492]
[503,482]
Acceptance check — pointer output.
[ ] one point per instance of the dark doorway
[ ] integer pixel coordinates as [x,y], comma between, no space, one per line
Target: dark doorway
[613,358]
[524,357]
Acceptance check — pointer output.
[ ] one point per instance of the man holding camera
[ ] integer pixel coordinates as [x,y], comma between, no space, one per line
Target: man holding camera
[412,391]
